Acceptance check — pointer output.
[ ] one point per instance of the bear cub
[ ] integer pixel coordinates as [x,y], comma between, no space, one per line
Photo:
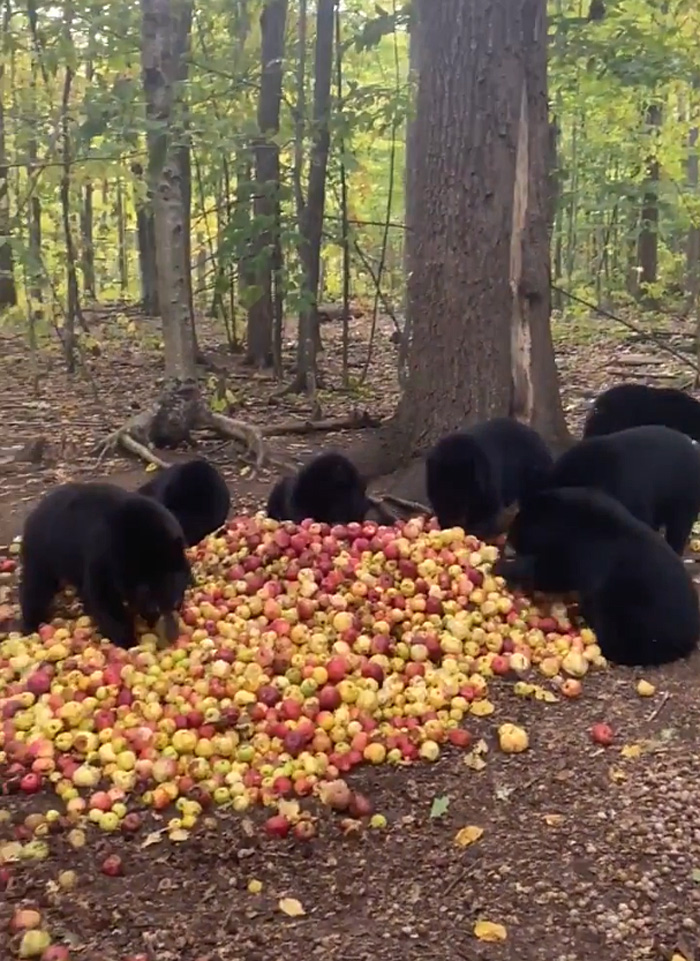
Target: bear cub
[474,475]
[123,553]
[633,589]
[632,405]
[652,471]
[196,493]
[329,489]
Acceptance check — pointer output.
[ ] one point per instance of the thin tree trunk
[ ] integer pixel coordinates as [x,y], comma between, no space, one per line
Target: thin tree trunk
[146,236]
[123,253]
[166,29]
[693,241]
[73,299]
[648,235]
[266,206]
[8,291]
[311,227]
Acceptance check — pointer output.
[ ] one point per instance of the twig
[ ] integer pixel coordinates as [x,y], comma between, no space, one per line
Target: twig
[660,706]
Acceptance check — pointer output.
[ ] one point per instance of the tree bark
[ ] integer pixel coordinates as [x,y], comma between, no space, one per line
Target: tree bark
[311,226]
[648,250]
[478,292]
[266,205]
[165,43]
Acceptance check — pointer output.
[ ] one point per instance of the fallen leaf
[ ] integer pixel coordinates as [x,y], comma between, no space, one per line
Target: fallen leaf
[489,931]
[151,468]
[502,792]
[695,875]
[554,820]
[439,806]
[616,775]
[179,834]
[678,957]
[291,907]
[289,809]
[542,694]
[474,761]
[155,837]
[481,708]
[468,835]
[631,750]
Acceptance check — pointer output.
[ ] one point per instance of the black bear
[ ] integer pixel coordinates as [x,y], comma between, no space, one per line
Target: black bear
[653,471]
[632,405]
[634,590]
[473,475]
[196,493]
[328,489]
[122,552]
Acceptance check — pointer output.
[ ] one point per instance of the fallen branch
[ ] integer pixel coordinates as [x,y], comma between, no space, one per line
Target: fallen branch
[356,421]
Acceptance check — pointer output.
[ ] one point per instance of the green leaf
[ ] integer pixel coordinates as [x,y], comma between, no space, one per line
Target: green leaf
[439,806]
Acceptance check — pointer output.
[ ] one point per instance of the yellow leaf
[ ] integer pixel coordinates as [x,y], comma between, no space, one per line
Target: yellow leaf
[482,708]
[468,835]
[481,747]
[289,809]
[151,468]
[678,957]
[631,750]
[542,694]
[179,834]
[616,775]
[489,931]
[554,820]
[291,907]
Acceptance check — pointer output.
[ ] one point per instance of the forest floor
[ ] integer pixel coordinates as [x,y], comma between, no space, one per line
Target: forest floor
[587,854]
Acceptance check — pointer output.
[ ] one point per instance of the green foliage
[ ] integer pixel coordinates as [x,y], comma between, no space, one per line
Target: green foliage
[624,90]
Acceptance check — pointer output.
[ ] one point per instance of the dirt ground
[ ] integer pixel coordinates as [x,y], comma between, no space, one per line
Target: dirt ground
[587,853]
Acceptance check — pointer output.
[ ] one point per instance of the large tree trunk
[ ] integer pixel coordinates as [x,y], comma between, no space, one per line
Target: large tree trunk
[478,293]
[165,45]
[273,21]
[311,226]
[648,236]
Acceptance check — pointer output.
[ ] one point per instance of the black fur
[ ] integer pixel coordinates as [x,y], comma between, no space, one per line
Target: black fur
[473,475]
[328,489]
[653,471]
[634,591]
[632,405]
[123,553]
[196,493]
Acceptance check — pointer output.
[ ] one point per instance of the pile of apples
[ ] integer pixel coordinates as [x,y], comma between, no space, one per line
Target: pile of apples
[304,652]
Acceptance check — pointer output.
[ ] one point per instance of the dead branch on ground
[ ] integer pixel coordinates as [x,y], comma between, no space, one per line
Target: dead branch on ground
[358,420]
